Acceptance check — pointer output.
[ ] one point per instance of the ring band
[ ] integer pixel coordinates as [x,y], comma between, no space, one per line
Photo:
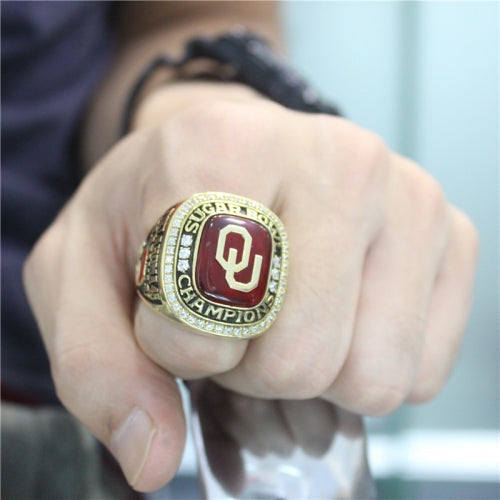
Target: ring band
[217,263]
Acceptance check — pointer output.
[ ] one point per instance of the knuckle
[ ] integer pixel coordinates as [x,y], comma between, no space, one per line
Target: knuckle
[368,387]
[374,161]
[382,387]
[433,195]
[379,395]
[294,376]
[364,174]
[434,368]
[211,358]
[425,389]
[167,346]
[469,232]
[375,148]
[427,195]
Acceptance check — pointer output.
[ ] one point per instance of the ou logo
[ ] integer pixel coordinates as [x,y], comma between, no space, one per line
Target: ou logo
[230,264]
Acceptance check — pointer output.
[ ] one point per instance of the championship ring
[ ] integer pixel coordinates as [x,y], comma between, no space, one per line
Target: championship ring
[217,263]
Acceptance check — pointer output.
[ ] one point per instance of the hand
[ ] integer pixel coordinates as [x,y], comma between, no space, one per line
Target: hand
[381,271]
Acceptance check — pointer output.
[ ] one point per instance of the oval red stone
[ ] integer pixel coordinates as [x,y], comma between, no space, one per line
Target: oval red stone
[233,261]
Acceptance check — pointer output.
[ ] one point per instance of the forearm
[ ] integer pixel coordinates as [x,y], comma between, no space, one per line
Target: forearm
[146,29]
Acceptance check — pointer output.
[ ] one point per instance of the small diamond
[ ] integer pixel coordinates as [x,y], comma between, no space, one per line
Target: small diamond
[246,331]
[228,330]
[177,222]
[218,329]
[169,288]
[200,323]
[272,286]
[182,265]
[184,253]
[209,327]
[168,269]
[255,329]
[276,261]
[168,278]
[174,232]
[186,240]
[171,297]
[191,319]
[171,241]
[183,314]
[237,331]
[170,250]
[169,259]
[275,273]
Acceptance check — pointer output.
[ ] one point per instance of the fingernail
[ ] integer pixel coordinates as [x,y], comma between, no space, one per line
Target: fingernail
[131,442]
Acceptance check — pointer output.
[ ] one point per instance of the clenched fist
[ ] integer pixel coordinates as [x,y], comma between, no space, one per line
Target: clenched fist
[379,289]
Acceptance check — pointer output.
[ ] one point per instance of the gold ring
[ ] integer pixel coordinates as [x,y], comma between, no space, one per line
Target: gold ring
[217,263]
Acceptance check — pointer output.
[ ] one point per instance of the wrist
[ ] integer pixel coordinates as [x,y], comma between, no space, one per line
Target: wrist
[236,56]
[162,102]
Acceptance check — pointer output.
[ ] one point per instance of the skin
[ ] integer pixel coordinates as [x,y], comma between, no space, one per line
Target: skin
[380,280]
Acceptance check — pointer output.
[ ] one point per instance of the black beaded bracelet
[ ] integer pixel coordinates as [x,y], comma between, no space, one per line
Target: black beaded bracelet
[250,61]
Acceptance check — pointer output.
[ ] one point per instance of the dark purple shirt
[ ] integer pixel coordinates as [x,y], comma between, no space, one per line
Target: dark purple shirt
[53,55]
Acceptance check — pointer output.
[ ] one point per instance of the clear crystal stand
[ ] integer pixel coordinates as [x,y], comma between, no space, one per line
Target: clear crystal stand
[268,450]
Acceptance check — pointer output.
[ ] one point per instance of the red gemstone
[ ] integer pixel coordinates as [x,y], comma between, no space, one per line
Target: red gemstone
[233,261]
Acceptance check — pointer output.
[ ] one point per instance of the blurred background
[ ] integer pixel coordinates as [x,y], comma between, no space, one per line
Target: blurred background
[425,76]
